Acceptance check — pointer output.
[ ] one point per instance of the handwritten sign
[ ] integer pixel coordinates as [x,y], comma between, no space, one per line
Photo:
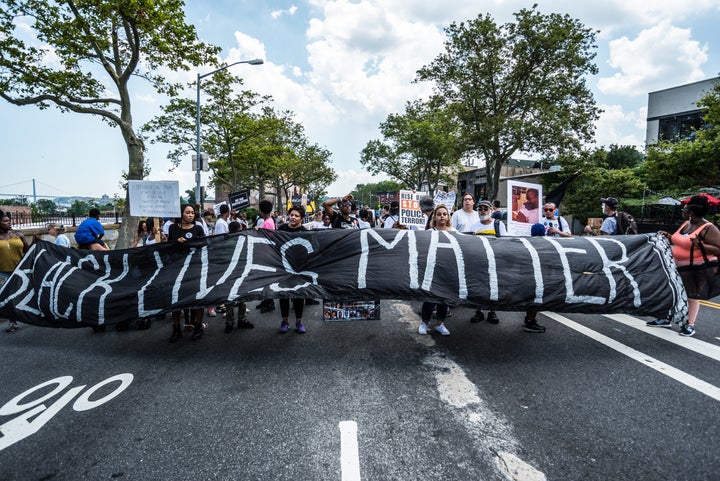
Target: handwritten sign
[157,198]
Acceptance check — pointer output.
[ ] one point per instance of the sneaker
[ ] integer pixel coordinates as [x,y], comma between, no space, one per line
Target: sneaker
[283,327]
[188,326]
[228,327]
[245,324]
[477,317]
[659,323]
[198,331]
[176,334]
[422,328]
[492,318]
[211,312]
[299,328]
[687,330]
[533,326]
[12,327]
[442,329]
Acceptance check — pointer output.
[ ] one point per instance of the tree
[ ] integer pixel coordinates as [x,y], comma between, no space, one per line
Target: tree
[421,147]
[251,146]
[45,207]
[370,194]
[689,163]
[79,208]
[99,47]
[517,87]
[623,157]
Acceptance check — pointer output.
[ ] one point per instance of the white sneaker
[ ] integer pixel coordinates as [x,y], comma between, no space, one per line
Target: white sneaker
[211,312]
[422,329]
[442,329]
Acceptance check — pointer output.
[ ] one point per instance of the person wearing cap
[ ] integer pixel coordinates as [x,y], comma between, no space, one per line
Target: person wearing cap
[341,218]
[486,225]
[609,225]
[393,217]
[464,218]
[58,232]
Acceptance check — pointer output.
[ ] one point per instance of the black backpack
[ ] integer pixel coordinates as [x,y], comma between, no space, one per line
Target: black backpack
[626,224]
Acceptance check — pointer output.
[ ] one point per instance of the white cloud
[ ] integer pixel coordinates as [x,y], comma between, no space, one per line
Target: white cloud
[275,14]
[660,56]
[615,126]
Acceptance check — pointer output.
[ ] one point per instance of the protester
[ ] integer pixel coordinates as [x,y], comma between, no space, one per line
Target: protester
[182,232]
[296,214]
[58,232]
[555,226]
[341,218]
[207,220]
[486,225]
[496,210]
[141,234]
[242,310]
[90,232]
[13,245]
[266,213]
[465,217]
[688,242]
[440,221]
[609,225]
[531,324]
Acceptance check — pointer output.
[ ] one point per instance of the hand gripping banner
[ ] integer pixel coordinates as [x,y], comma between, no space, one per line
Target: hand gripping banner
[60,287]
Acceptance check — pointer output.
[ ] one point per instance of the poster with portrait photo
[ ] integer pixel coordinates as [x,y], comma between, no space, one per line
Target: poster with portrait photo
[524,207]
[351,310]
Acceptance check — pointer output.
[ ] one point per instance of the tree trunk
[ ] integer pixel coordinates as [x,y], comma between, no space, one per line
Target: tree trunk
[136,156]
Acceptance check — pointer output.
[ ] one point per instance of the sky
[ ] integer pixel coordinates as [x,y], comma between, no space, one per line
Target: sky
[343,66]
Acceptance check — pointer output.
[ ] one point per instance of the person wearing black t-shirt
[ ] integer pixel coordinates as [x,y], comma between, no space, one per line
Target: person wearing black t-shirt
[184,230]
[296,214]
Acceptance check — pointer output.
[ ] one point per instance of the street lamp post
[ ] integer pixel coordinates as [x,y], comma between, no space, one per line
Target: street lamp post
[198,165]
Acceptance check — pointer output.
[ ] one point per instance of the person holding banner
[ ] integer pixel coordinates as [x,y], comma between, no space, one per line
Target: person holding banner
[182,232]
[440,221]
[486,225]
[13,246]
[296,214]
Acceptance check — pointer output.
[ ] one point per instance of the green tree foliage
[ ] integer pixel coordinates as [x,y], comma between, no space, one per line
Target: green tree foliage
[690,163]
[251,146]
[623,157]
[45,207]
[369,194]
[79,208]
[603,175]
[421,147]
[517,87]
[80,56]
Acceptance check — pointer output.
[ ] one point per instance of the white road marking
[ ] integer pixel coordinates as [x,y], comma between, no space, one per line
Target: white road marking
[676,374]
[696,345]
[349,453]
[490,431]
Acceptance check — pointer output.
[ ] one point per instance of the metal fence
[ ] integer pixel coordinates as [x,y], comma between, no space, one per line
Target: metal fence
[26,220]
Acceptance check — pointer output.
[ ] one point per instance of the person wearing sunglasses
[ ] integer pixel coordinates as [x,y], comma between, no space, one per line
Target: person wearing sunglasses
[555,226]
[486,225]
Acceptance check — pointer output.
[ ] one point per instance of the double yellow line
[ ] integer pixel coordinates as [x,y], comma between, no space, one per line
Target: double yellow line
[714,305]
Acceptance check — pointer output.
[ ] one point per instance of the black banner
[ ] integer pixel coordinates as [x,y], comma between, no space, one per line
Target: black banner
[61,287]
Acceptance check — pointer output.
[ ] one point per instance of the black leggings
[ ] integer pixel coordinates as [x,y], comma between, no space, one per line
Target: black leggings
[298,305]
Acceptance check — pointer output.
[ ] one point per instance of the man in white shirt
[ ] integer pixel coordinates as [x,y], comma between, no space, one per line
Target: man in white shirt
[463,219]
[221,224]
[555,226]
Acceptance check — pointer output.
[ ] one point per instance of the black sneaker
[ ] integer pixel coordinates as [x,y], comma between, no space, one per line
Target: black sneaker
[245,324]
[492,318]
[267,307]
[176,334]
[533,326]
[12,327]
[197,331]
[477,317]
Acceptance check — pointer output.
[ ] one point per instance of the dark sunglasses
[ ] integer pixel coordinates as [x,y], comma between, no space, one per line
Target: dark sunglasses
[483,208]
[548,210]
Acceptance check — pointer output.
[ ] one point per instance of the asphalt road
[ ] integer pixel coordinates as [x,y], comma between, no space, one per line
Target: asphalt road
[594,398]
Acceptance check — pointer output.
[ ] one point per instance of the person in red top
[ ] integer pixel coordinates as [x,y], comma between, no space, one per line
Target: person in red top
[694,233]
